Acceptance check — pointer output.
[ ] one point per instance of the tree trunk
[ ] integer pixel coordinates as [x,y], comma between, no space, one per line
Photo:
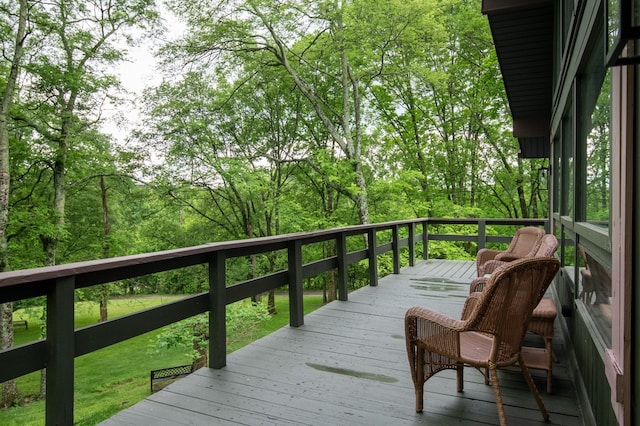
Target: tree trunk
[106,249]
[50,242]
[10,387]
[104,299]
[520,187]
[349,141]
[271,302]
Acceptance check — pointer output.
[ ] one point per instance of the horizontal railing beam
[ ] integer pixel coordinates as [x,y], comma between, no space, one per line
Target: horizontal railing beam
[98,336]
[23,359]
[255,286]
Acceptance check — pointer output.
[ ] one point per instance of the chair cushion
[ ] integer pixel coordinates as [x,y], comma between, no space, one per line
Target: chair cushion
[546,309]
[543,318]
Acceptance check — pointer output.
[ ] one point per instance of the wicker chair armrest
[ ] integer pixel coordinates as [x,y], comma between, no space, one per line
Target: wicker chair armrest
[486,254]
[428,315]
[491,266]
[507,257]
[472,301]
[478,284]
[434,331]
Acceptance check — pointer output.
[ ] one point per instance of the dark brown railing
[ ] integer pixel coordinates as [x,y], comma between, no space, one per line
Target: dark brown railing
[63,343]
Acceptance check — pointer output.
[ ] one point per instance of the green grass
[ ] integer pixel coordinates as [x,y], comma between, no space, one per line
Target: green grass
[114,378]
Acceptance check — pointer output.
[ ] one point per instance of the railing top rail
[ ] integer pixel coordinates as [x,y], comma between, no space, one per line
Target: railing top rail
[488,221]
[111,269]
[41,274]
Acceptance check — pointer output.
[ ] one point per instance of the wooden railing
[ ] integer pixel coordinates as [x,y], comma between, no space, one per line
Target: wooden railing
[63,343]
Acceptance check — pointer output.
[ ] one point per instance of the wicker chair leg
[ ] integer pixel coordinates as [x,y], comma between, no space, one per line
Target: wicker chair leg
[534,389]
[419,380]
[459,377]
[549,349]
[495,384]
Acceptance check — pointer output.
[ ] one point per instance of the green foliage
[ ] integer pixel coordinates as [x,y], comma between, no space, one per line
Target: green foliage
[240,144]
[192,335]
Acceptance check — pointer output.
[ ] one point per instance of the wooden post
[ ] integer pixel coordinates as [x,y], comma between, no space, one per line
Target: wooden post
[296,309]
[412,247]
[60,352]
[395,247]
[373,259]
[425,240]
[217,312]
[482,234]
[341,251]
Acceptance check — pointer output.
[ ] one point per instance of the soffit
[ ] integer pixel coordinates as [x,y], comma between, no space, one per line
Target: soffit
[522,32]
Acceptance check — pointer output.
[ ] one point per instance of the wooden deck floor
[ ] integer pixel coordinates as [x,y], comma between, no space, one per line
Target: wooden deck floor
[347,366]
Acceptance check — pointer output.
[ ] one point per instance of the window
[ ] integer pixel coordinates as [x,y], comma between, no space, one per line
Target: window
[567,166]
[556,169]
[598,146]
[593,186]
[595,119]
[595,292]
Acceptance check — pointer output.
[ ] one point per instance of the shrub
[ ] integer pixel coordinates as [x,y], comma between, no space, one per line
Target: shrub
[192,334]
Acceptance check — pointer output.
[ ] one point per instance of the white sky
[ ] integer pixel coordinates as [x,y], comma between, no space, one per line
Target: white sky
[138,72]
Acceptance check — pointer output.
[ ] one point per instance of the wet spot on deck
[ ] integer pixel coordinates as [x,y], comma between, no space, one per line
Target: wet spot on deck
[353,373]
[440,280]
[439,287]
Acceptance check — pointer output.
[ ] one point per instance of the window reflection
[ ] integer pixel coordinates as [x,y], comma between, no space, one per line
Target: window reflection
[567,142]
[556,175]
[568,252]
[596,292]
[598,148]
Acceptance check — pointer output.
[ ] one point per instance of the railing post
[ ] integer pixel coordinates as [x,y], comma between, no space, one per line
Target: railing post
[412,247]
[373,259]
[395,231]
[482,234]
[296,309]
[341,251]
[217,314]
[60,352]
[425,240]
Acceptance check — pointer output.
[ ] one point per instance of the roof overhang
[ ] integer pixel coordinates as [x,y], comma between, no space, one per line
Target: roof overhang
[522,33]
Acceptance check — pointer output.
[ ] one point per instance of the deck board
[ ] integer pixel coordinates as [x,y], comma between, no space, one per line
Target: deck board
[347,365]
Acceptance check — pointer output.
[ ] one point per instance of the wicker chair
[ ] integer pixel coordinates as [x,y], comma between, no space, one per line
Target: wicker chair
[542,318]
[490,337]
[546,248]
[525,243]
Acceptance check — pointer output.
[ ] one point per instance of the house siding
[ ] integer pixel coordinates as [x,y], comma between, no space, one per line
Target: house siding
[590,360]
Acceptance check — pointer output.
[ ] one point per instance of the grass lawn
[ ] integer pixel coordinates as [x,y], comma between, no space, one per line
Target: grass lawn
[116,377]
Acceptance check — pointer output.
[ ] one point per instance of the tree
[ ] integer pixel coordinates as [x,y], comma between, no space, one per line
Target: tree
[66,85]
[318,44]
[230,149]
[434,101]
[9,388]
[69,82]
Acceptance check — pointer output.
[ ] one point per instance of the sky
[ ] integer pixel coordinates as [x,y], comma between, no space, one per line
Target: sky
[138,72]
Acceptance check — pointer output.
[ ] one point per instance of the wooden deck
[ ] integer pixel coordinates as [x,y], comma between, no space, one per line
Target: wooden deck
[347,365]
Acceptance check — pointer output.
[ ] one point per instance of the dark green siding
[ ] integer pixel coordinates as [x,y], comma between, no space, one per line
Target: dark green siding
[592,371]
